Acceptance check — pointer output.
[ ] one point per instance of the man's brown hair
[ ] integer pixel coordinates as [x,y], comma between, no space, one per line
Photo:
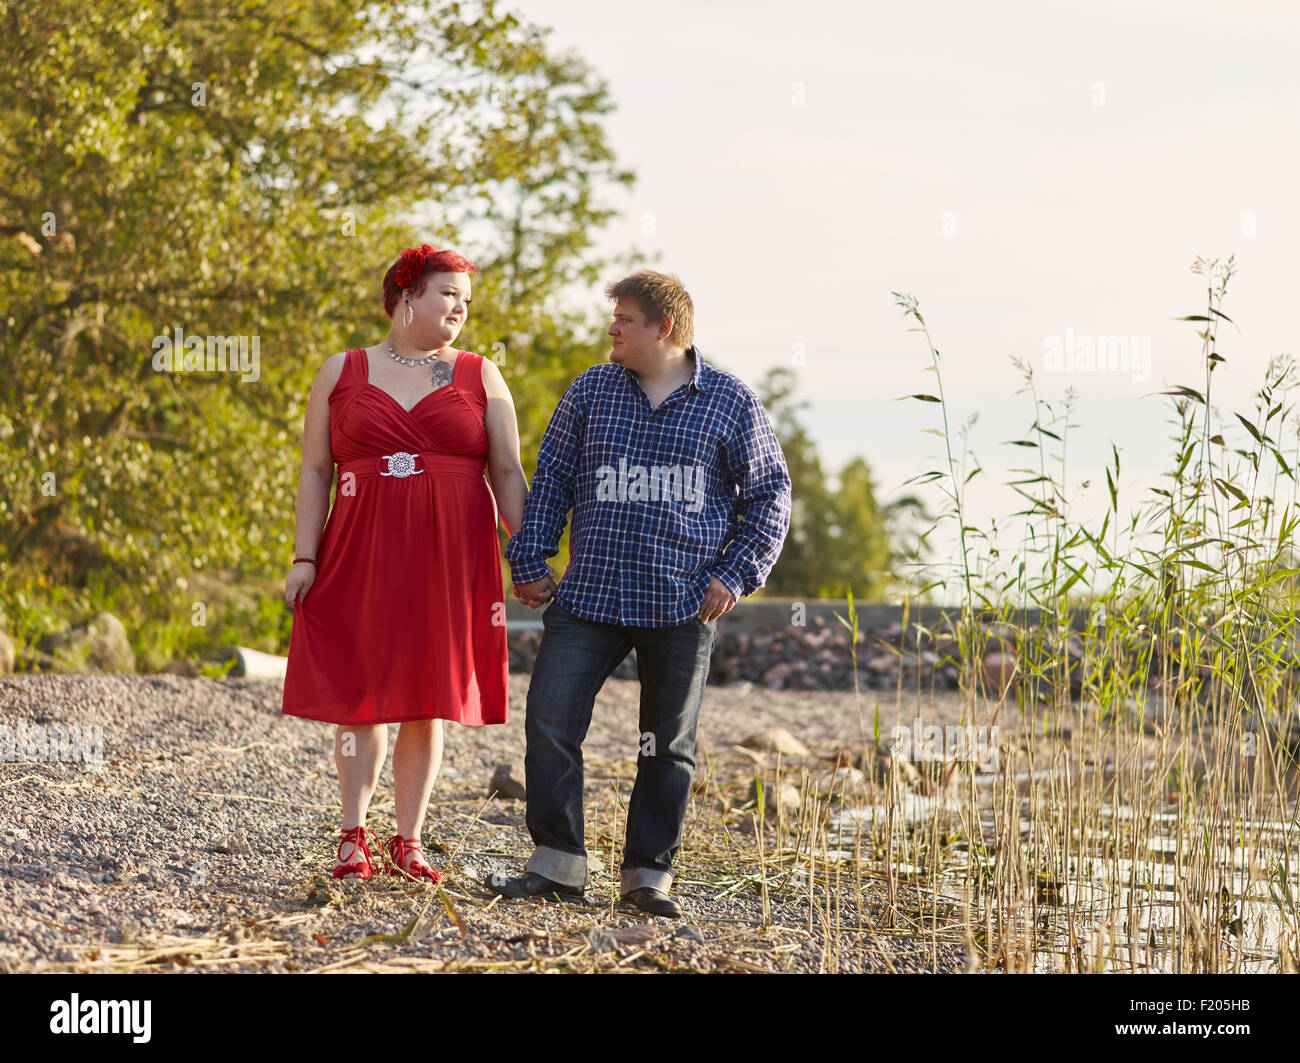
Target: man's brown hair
[660,296]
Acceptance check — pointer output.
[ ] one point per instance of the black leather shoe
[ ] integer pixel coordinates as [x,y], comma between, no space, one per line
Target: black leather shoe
[653,902]
[531,886]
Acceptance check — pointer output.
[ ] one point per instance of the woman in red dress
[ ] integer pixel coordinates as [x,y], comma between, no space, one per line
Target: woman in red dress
[398,610]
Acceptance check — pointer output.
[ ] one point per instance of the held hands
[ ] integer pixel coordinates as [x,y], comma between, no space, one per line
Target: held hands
[539,592]
[717,600]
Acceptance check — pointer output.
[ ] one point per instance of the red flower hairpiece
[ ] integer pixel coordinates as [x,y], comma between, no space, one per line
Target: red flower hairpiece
[411,264]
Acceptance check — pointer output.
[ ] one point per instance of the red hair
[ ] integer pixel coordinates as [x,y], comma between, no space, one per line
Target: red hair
[412,267]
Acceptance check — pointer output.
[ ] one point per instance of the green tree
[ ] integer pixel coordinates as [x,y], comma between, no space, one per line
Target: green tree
[250,170]
[838,538]
[806,561]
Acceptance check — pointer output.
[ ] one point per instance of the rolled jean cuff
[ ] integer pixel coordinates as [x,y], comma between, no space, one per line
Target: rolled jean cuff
[634,878]
[568,869]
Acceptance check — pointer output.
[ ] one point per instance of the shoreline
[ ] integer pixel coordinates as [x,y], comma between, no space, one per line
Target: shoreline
[124,869]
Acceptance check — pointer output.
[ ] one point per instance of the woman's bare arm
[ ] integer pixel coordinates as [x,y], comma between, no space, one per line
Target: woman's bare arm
[505,471]
[317,461]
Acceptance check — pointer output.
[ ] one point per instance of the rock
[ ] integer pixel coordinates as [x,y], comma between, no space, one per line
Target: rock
[780,798]
[848,781]
[8,655]
[595,865]
[776,677]
[689,933]
[508,781]
[601,940]
[885,764]
[1151,712]
[234,842]
[946,647]
[639,934]
[1002,633]
[777,740]
[101,645]
[999,667]
[881,664]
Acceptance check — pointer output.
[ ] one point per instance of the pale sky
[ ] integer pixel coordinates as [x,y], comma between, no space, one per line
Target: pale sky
[1023,168]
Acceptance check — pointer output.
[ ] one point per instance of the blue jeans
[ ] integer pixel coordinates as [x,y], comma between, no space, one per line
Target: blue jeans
[574,659]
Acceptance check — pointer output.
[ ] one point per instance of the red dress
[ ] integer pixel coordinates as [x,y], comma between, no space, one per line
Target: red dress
[406,618]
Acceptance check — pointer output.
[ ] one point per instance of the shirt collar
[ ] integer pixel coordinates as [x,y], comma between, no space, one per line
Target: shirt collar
[699,374]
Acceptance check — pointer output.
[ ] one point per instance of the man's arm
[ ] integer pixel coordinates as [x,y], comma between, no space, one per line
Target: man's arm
[552,493]
[756,466]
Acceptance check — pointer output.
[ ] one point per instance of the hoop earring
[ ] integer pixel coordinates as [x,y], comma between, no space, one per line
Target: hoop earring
[410,314]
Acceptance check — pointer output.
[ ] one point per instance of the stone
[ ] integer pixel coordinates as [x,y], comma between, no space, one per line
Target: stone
[885,764]
[100,644]
[776,677]
[234,842]
[999,667]
[601,940]
[689,933]
[508,782]
[777,740]
[848,781]
[777,798]
[638,934]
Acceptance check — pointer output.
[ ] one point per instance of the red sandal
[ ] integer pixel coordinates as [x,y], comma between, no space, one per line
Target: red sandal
[398,850]
[362,869]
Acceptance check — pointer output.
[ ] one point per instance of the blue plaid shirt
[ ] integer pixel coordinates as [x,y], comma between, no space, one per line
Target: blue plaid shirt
[662,499]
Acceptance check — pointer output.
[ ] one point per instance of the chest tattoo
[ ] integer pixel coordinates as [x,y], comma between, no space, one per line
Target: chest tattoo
[440,374]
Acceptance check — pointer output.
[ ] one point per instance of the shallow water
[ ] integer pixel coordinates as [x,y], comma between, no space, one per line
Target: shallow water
[1123,909]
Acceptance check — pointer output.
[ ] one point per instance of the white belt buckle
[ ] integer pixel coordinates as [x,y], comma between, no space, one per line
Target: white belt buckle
[400,464]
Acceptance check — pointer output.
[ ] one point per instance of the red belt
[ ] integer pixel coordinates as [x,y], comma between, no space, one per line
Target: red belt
[401,464]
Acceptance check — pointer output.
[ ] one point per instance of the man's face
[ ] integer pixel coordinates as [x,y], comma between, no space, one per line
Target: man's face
[633,342]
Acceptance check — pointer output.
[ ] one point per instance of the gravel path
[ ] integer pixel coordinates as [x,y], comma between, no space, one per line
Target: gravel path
[205,839]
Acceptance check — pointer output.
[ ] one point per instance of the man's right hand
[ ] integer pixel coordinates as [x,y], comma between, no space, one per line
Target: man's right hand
[536,593]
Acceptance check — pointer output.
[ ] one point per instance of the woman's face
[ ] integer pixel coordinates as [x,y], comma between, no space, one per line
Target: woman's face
[440,310]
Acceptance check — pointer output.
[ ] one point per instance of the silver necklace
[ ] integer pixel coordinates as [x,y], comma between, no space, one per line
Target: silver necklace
[392,353]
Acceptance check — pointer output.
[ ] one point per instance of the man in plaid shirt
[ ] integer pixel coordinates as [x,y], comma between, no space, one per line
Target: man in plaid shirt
[681,502]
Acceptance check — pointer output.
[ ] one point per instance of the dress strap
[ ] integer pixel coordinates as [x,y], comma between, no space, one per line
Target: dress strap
[352,376]
[469,376]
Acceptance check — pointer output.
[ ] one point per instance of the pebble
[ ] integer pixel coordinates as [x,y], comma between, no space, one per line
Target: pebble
[101,856]
[601,940]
